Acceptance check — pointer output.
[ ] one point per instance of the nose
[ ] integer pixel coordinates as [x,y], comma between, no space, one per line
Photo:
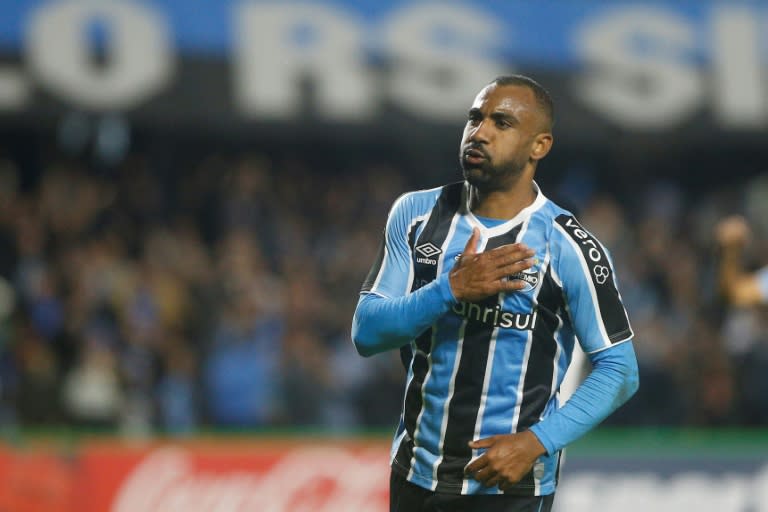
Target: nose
[479,133]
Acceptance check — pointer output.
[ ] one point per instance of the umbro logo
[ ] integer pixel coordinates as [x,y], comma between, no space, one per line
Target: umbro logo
[427,251]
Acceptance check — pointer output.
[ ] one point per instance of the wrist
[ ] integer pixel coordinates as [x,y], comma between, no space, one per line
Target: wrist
[542,442]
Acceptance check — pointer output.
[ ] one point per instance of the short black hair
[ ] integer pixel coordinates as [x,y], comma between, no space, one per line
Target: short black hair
[542,96]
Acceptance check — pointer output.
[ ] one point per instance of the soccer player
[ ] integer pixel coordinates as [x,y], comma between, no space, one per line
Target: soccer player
[484,286]
[739,287]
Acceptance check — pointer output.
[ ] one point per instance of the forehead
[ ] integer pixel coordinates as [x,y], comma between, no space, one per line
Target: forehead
[510,98]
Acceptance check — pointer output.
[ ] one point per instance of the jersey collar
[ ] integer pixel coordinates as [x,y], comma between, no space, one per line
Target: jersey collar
[522,215]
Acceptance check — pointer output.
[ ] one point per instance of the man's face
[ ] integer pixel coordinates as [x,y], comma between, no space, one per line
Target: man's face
[499,136]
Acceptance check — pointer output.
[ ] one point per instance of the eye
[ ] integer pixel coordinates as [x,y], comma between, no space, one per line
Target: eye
[503,124]
[474,116]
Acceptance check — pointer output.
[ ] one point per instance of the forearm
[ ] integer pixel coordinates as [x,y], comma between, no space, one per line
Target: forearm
[382,323]
[612,381]
[729,270]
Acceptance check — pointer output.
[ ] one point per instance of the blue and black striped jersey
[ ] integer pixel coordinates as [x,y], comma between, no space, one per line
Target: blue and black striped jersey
[495,366]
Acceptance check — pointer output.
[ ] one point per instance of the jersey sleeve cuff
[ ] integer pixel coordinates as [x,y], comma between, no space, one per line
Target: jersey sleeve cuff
[444,285]
[545,441]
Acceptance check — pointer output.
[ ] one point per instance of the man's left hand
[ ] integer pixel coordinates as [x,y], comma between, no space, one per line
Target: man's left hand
[507,459]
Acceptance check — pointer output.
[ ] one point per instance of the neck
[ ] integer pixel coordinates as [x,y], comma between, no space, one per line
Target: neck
[503,203]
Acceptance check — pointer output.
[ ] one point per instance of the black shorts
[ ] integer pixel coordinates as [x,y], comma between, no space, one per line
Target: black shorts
[407,497]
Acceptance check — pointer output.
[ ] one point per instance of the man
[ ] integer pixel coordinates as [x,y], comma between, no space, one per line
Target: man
[739,287]
[484,286]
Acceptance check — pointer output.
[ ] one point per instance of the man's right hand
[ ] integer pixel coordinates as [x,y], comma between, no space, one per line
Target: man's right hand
[479,275]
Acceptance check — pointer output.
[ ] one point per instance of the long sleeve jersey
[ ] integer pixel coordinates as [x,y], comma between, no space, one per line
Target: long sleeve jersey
[477,369]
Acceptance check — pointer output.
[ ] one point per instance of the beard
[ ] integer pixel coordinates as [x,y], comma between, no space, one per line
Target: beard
[487,176]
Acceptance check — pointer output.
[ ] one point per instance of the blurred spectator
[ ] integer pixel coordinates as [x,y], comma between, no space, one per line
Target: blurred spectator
[178,403]
[36,390]
[242,366]
[746,292]
[9,196]
[307,379]
[92,394]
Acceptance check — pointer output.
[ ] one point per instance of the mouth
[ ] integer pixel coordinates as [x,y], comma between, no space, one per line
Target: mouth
[474,156]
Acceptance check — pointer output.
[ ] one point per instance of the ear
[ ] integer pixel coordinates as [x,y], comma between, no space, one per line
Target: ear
[541,146]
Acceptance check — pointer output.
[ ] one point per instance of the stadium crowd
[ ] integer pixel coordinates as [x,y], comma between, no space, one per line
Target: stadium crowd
[221,296]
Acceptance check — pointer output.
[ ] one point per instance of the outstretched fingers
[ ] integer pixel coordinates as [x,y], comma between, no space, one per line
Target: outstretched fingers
[511,269]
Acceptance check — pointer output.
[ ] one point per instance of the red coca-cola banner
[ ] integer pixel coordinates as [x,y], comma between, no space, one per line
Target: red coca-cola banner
[269,476]
[320,475]
[38,480]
